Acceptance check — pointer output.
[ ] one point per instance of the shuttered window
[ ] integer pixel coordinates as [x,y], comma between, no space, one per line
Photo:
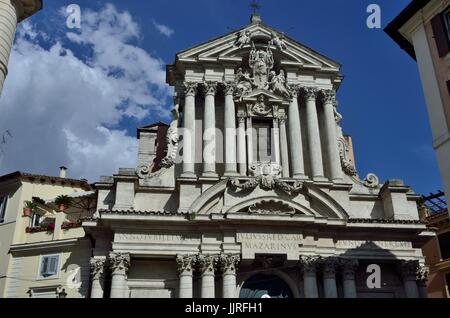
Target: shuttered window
[49,266]
[441,32]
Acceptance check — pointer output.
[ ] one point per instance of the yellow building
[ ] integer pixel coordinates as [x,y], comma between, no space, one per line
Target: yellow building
[42,248]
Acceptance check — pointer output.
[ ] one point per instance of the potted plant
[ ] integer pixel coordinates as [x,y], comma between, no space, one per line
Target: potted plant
[29,208]
[63,201]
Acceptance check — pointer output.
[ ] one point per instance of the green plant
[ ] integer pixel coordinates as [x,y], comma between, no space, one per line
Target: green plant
[31,205]
[63,201]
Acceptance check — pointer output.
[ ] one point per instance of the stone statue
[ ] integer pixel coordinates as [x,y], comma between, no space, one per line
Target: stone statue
[172,139]
[278,84]
[278,41]
[243,83]
[261,63]
[244,38]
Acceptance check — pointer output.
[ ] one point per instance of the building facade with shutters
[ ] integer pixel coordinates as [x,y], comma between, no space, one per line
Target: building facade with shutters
[252,190]
[423,31]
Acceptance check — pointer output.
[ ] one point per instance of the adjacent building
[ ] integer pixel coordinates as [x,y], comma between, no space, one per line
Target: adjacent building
[44,251]
[437,251]
[256,193]
[423,31]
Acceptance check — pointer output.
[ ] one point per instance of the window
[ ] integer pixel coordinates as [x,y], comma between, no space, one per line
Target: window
[35,220]
[441,32]
[262,140]
[49,266]
[444,245]
[3,201]
[44,292]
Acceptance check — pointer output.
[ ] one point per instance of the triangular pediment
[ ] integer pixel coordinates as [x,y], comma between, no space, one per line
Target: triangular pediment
[268,96]
[233,48]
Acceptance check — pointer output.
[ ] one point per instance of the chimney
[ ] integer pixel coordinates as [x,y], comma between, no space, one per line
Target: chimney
[62,172]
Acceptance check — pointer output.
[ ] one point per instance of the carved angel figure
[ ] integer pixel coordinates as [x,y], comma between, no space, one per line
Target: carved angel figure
[278,84]
[243,83]
[244,38]
[278,41]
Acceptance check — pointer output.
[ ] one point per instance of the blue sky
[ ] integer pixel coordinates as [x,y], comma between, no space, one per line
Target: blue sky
[380,99]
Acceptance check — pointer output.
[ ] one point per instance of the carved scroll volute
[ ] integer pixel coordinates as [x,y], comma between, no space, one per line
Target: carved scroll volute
[185,264]
[119,263]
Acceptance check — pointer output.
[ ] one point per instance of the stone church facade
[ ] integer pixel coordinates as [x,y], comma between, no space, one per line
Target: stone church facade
[252,190]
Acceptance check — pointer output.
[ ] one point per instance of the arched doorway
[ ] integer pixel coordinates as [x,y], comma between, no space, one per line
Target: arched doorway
[265,286]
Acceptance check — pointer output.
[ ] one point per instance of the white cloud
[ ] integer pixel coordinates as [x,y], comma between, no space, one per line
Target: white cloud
[64,109]
[164,29]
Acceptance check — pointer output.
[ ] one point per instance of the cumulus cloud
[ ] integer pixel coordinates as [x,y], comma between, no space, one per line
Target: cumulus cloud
[163,29]
[64,99]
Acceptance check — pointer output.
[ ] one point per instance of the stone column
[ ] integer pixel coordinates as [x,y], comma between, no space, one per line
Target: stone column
[329,277]
[119,264]
[284,146]
[206,264]
[408,271]
[334,159]
[348,276]
[230,131]
[275,136]
[228,265]
[422,278]
[295,135]
[12,12]
[190,90]
[185,264]
[242,149]
[97,277]
[209,130]
[315,148]
[309,266]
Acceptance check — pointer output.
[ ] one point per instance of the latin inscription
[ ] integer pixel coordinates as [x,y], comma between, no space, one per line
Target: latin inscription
[373,244]
[269,242]
[156,237]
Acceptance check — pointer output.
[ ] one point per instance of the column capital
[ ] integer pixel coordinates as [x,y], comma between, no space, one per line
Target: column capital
[348,267]
[242,116]
[309,264]
[206,263]
[294,90]
[229,88]
[282,118]
[408,269]
[119,262]
[185,263]
[310,93]
[328,96]
[209,88]
[190,88]
[422,273]
[329,266]
[97,267]
[228,263]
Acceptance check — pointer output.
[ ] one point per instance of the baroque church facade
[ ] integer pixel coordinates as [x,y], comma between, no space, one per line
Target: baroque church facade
[252,190]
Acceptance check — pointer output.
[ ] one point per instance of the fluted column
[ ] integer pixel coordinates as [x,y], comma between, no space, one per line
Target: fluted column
[230,131]
[408,271]
[209,130]
[119,263]
[190,90]
[329,277]
[206,264]
[349,267]
[309,266]
[422,278]
[12,12]
[284,146]
[295,135]
[334,159]
[97,277]
[242,148]
[228,265]
[185,268]
[315,148]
